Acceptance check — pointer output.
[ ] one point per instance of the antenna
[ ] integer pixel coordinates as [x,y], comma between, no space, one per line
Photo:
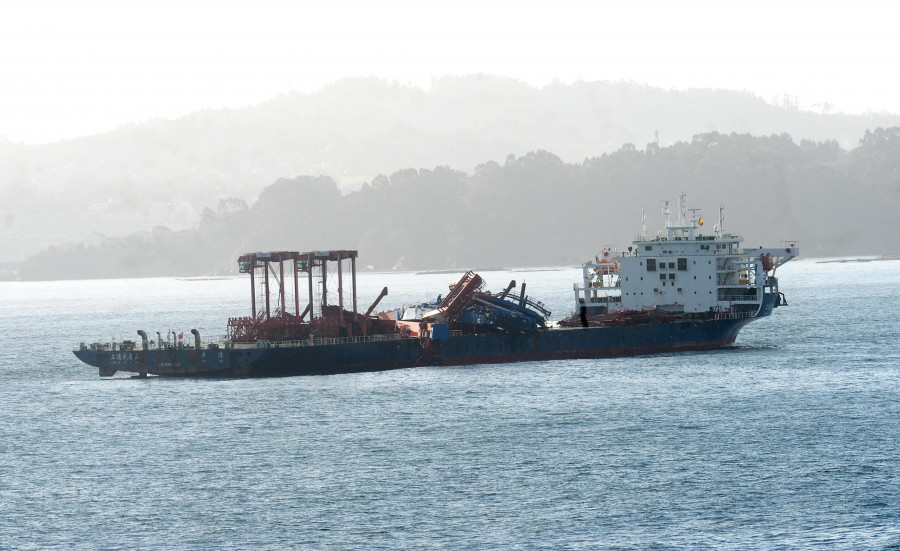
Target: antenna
[643,225]
[665,211]
[694,217]
[721,219]
[682,205]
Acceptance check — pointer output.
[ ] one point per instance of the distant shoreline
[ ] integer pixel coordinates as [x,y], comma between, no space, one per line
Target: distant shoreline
[845,260]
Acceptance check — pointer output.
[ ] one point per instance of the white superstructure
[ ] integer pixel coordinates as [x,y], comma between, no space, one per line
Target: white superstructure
[684,271]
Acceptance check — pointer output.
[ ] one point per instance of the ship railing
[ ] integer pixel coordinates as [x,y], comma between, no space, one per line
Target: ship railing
[129,345]
[733,315]
[318,341]
[536,304]
[214,345]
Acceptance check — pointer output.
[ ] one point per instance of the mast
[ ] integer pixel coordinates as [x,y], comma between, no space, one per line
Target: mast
[721,219]
[694,217]
[666,212]
[643,225]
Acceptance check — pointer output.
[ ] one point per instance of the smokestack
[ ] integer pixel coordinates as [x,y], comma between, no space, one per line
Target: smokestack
[196,338]
[143,335]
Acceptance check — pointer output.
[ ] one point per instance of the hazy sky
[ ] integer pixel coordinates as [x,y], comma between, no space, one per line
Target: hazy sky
[77,67]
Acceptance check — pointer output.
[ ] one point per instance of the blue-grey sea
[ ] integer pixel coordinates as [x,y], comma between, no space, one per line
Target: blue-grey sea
[790,439]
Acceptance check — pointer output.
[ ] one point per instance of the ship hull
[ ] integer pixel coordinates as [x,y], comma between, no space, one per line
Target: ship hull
[488,348]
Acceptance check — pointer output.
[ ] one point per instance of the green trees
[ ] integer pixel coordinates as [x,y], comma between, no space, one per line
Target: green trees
[535,209]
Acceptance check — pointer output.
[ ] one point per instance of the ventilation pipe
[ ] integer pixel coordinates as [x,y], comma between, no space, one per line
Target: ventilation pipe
[196,338]
[143,335]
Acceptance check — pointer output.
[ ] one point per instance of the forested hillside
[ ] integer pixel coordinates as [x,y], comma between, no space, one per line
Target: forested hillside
[165,172]
[535,209]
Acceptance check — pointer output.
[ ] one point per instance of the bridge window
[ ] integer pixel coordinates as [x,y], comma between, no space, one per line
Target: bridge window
[682,264]
[651,264]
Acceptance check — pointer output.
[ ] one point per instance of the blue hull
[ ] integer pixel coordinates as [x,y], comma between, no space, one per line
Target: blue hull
[324,359]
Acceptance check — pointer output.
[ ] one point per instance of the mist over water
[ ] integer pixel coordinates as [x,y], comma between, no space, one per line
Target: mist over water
[478,171]
[789,439]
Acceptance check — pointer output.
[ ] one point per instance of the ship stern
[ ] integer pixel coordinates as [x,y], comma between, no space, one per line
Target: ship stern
[92,357]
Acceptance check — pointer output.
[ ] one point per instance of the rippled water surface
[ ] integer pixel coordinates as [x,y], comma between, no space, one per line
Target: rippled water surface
[789,439]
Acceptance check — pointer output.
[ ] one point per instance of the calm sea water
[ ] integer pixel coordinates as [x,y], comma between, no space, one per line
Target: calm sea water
[791,439]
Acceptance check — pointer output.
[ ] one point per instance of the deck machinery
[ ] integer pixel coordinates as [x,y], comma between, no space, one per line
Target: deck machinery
[278,280]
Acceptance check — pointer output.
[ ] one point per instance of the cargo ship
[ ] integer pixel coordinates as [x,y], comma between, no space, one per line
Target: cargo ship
[679,290]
